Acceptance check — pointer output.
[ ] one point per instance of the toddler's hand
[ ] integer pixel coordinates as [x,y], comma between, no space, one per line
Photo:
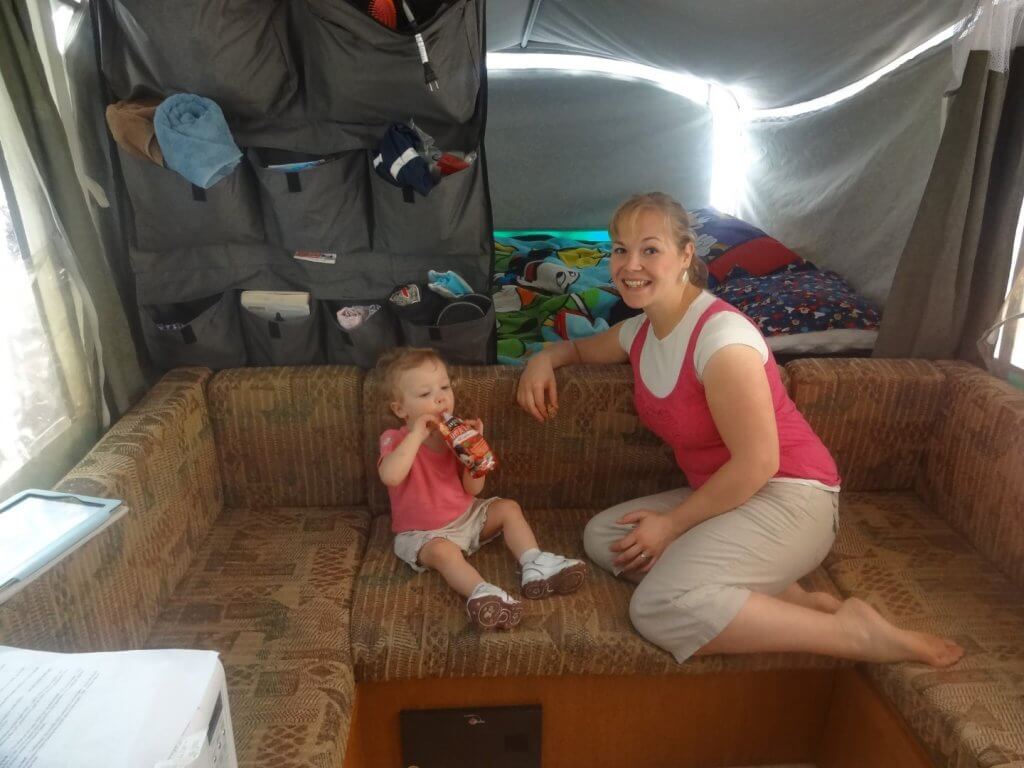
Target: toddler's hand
[476,424]
[423,425]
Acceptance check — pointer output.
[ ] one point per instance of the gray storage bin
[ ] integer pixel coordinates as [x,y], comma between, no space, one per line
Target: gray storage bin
[358,71]
[235,52]
[168,212]
[363,345]
[210,333]
[466,343]
[289,342]
[325,208]
[425,225]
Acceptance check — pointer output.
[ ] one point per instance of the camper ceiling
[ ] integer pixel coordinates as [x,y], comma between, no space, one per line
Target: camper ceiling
[772,53]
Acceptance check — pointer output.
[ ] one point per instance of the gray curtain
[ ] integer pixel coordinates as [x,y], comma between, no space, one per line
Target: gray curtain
[89,100]
[954,269]
[46,143]
[24,78]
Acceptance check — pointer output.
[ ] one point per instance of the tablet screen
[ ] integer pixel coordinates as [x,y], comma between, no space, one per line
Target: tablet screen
[34,524]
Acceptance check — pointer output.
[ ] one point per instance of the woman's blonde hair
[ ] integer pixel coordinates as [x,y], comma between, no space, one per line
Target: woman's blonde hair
[393,363]
[679,225]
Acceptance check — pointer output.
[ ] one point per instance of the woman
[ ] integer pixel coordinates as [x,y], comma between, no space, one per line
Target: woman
[716,564]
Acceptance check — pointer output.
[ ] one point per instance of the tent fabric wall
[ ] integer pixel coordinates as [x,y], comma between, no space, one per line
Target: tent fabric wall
[770,52]
[567,148]
[841,186]
[838,185]
[311,76]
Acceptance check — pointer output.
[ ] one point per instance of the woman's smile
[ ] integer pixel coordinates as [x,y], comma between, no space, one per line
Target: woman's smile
[635,283]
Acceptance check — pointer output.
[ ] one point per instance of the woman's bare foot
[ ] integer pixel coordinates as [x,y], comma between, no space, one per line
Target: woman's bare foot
[816,601]
[875,639]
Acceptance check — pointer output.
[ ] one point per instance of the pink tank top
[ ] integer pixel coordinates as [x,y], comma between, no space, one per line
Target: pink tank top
[683,420]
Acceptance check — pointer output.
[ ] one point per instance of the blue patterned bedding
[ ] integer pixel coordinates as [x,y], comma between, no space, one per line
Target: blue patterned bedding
[799,298]
[548,287]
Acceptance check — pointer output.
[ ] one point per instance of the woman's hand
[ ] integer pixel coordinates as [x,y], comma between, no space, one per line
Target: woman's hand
[642,547]
[537,393]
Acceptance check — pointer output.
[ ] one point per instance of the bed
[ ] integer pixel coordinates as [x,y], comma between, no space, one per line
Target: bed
[553,286]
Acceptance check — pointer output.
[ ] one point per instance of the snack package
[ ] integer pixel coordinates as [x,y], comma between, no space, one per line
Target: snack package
[468,444]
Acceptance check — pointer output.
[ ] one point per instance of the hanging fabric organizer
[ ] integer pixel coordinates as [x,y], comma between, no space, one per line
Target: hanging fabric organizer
[298,80]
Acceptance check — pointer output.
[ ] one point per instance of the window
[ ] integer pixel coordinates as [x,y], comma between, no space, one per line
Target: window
[1017,354]
[1013,332]
[33,404]
[63,13]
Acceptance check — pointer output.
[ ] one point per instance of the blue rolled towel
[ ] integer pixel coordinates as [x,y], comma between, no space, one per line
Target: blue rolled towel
[195,139]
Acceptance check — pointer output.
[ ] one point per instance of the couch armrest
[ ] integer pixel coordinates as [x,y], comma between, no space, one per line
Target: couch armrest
[161,461]
[875,416]
[973,468]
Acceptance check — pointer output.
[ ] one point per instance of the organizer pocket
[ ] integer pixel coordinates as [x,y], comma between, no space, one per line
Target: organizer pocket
[205,332]
[285,342]
[232,51]
[360,346]
[358,71]
[464,343]
[405,224]
[322,209]
[168,212]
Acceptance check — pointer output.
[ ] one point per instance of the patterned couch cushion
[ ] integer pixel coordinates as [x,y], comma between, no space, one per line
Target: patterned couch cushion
[973,469]
[289,436]
[875,416]
[160,459]
[407,625]
[595,453]
[912,567]
[271,591]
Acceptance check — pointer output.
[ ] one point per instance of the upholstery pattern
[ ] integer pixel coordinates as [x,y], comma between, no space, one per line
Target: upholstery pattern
[289,436]
[973,468]
[161,461]
[593,454]
[921,575]
[407,625]
[875,416]
[299,590]
[271,592]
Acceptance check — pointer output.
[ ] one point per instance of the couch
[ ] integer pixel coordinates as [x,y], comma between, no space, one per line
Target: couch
[257,528]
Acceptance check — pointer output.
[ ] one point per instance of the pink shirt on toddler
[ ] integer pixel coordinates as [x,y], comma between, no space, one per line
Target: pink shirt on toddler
[431,496]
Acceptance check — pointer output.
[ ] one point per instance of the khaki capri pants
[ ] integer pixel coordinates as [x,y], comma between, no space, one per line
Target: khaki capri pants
[704,577]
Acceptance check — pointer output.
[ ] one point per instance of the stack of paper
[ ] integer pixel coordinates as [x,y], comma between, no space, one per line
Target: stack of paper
[116,710]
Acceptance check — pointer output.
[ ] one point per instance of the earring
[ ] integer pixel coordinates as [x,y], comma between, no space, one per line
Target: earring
[685,276]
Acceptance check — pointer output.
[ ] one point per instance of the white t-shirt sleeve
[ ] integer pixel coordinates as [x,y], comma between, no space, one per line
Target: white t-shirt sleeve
[628,329]
[723,329]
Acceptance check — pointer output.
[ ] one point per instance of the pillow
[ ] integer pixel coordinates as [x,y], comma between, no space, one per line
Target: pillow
[799,299]
[725,242]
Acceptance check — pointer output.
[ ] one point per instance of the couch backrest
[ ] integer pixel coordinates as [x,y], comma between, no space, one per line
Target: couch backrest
[593,455]
[289,436]
[973,468]
[875,416]
[160,459]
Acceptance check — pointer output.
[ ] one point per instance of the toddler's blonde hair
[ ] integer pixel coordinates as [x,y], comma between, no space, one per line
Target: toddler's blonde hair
[393,363]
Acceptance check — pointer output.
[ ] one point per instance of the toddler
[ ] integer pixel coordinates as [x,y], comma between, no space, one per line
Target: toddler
[436,511]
